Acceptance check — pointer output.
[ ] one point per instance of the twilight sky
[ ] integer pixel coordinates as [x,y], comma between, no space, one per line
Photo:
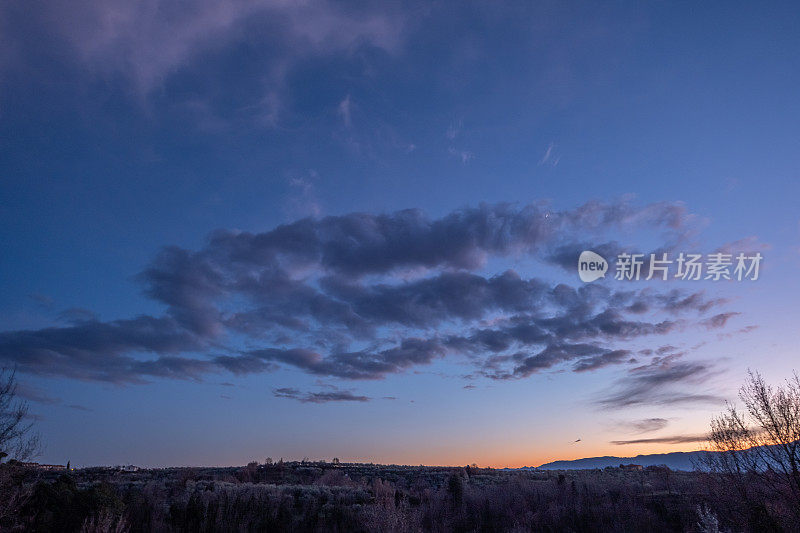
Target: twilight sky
[238,230]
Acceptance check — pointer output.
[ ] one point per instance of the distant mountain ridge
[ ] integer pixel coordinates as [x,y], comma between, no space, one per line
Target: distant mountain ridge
[674,460]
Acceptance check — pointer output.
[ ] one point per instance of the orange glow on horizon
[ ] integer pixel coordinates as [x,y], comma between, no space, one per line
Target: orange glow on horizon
[520,459]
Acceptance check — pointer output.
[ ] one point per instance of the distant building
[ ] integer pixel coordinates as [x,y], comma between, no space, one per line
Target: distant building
[128,468]
[43,467]
[631,467]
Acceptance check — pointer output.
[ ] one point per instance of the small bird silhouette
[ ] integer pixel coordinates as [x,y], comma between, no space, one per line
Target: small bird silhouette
[578,440]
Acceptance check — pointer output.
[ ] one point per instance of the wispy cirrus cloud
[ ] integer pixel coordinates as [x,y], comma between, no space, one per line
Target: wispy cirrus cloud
[667,380]
[464,155]
[645,425]
[318,397]
[674,439]
[29,393]
[550,158]
[148,51]
[33,394]
[148,41]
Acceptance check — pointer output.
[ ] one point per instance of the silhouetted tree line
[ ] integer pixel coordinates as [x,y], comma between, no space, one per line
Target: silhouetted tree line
[749,484]
[368,498]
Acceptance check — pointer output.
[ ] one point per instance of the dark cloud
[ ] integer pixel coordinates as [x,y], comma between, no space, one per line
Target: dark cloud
[718,321]
[613,357]
[675,439]
[265,267]
[188,286]
[357,365]
[740,331]
[566,255]
[100,350]
[362,296]
[450,295]
[318,397]
[676,301]
[608,323]
[244,364]
[551,355]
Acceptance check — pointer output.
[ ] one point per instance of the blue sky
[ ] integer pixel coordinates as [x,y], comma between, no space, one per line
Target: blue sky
[125,130]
